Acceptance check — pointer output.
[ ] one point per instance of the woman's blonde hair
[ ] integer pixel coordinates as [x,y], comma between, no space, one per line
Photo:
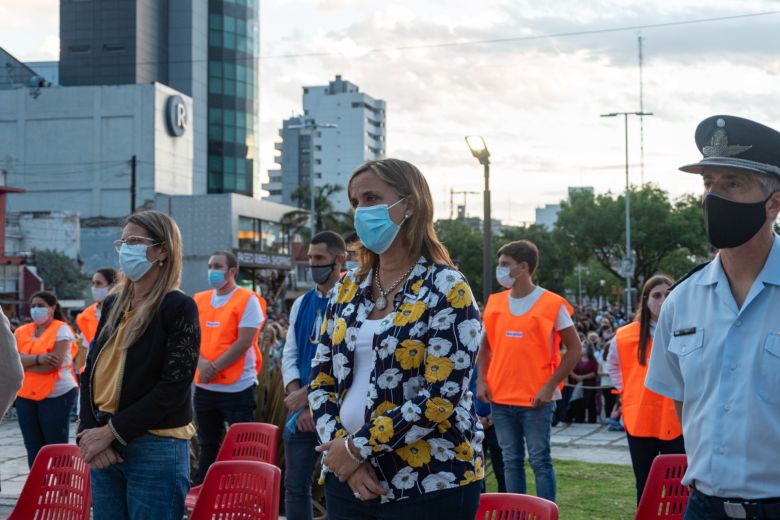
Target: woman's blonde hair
[417,233]
[164,231]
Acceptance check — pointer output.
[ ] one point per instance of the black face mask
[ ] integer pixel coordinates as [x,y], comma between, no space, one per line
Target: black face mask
[731,224]
[321,273]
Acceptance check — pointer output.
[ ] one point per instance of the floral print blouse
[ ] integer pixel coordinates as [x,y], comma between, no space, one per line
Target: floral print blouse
[421,433]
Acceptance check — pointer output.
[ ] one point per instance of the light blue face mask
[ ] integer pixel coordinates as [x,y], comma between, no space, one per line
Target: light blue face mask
[375,228]
[350,265]
[39,314]
[133,261]
[217,278]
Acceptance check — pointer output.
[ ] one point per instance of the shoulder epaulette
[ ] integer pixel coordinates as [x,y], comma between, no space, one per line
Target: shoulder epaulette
[689,274]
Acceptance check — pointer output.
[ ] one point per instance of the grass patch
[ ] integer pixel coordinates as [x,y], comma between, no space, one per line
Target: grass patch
[588,491]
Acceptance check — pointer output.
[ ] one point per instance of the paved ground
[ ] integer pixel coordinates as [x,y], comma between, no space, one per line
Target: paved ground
[585,442]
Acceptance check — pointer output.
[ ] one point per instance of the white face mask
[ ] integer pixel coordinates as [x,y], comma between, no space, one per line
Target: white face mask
[502,275]
[99,293]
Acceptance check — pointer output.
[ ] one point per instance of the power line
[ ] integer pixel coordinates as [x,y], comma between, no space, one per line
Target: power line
[468,43]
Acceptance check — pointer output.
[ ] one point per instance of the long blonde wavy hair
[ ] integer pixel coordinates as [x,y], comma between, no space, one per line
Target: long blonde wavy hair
[164,231]
[417,233]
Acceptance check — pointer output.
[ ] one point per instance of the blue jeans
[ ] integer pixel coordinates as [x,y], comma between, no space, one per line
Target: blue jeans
[152,482]
[212,411]
[44,422]
[516,427]
[458,503]
[299,460]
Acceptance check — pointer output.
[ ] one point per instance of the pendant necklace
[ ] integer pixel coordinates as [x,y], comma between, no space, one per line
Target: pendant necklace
[381,301]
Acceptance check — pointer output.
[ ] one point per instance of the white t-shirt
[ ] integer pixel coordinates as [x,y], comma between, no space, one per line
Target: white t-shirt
[353,408]
[252,318]
[66,381]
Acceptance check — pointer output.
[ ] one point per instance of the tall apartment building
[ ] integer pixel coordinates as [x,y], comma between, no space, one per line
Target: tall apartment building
[207,49]
[340,129]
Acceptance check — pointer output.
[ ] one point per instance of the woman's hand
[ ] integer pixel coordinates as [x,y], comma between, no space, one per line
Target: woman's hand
[338,460]
[364,483]
[51,359]
[105,458]
[94,441]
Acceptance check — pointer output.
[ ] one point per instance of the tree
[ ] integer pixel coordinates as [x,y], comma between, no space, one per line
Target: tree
[61,274]
[663,235]
[464,244]
[325,216]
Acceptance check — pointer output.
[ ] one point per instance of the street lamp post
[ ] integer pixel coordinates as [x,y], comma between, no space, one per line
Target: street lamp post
[480,151]
[628,261]
[311,124]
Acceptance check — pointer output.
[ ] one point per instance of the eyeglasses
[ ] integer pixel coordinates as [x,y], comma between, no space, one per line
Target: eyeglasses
[134,241]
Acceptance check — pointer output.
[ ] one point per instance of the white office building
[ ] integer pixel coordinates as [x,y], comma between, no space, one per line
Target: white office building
[340,129]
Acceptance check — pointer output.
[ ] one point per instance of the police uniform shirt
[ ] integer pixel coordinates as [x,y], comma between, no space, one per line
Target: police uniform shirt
[723,363]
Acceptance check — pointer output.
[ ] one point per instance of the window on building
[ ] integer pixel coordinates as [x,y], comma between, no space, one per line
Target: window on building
[261,235]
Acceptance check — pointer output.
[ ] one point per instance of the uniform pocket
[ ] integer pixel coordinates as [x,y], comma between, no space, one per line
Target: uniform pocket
[769,389]
[689,349]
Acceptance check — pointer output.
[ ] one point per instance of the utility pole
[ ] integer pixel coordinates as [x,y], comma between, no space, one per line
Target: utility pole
[132,183]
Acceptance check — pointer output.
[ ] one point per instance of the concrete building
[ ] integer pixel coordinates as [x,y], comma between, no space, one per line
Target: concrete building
[29,231]
[547,216]
[72,148]
[340,129]
[206,50]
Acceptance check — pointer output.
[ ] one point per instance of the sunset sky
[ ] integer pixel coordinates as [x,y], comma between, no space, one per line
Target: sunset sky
[536,96]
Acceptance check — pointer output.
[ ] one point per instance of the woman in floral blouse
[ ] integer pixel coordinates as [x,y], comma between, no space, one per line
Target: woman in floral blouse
[389,382]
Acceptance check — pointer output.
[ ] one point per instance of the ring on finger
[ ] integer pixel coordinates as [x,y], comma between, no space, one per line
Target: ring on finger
[356,494]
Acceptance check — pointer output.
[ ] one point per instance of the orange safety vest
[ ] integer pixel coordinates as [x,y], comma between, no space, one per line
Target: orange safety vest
[38,386]
[645,413]
[87,321]
[219,330]
[523,359]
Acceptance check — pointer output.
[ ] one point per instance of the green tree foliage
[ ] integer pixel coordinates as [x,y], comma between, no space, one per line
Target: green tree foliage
[326,217]
[464,244]
[61,274]
[664,235]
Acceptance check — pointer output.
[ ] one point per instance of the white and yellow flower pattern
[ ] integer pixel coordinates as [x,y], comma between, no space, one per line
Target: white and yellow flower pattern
[421,432]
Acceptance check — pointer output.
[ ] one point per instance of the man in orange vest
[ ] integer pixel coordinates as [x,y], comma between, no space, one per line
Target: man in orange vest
[519,365]
[230,319]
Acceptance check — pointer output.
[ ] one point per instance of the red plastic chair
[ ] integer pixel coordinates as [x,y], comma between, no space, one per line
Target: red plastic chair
[512,506]
[664,497]
[57,486]
[239,489]
[257,442]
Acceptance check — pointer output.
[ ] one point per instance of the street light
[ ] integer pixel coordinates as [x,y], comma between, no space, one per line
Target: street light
[311,124]
[628,261]
[480,151]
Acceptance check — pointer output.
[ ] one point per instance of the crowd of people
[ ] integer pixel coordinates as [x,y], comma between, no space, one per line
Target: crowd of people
[387,377]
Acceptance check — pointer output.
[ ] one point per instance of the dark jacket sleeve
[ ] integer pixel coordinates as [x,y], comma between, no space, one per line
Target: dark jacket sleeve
[171,393]
[86,414]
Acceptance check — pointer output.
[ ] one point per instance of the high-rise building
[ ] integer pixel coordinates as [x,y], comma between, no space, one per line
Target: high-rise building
[340,129]
[208,50]
[234,49]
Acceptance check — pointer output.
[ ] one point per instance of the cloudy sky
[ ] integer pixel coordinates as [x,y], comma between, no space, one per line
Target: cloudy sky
[534,87]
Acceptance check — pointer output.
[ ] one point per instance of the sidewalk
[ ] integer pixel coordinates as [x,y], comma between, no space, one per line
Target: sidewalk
[592,443]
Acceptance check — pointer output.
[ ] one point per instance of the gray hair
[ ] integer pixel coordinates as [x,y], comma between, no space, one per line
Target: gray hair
[769,183]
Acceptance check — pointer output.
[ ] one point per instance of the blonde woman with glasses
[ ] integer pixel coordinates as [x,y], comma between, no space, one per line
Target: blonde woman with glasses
[136,412]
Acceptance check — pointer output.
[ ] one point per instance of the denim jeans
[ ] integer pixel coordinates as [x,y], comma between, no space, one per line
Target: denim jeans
[458,503]
[299,459]
[152,482]
[518,427]
[212,411]
[44,422]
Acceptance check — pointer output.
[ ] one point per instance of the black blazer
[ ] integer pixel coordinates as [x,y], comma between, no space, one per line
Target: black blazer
[155,391]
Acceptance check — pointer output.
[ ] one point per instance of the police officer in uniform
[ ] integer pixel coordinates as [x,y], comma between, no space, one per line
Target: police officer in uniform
[717,344]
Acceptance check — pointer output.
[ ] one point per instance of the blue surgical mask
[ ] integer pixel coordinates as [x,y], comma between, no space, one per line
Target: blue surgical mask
[375,228]
[133,261]
[350,265]
[217,278]
[39,314]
